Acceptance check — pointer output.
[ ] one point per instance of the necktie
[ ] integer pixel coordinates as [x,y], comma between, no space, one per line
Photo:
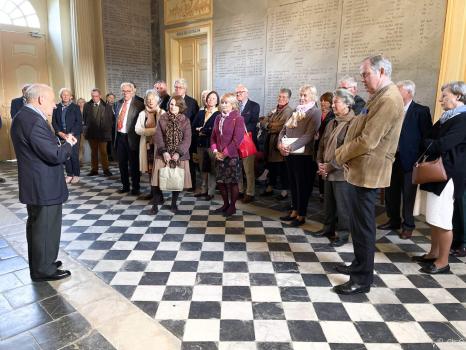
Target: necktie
[121,116]
[240,107]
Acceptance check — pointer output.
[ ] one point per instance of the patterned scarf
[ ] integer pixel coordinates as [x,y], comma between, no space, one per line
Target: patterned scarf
[174,135]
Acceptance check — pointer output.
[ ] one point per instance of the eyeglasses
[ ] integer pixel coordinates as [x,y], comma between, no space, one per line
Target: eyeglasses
[179,87]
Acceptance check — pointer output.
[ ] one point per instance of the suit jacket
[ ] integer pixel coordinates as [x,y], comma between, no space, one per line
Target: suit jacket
[250,114]
[358,105]
[371,140]
[416,125]
[192,109]
[448,140]
[40,158]
[73,119]
[99,127]
[135,108]
[163,103]
[231,137]
[16,105]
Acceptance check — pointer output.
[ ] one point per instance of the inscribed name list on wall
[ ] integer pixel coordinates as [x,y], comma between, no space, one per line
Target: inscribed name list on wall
[127,44]
[270,44]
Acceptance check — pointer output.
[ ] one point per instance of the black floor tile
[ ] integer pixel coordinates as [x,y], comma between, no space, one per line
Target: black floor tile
[185,266]
[22,319]
[209,278]
[236,330]
[306,331]
[262,279]
[316,280]
[57,306]
[419,346]
[92,342]
[204,310]
[441,332]
[177,293]
[375,332]
[29,293]
[236,293]
[199,346]
[134,266]
[285,267]
[294,294]
[258,256]
[211,256]
[127,291]
[174,326]
[452,312]
[410,295]
[342,346]
[162,255]
[305,257]
[146,246]
[154,278]
[423,281]
[458,293]
[191,246]
[61,332]
[393,312]
[268,311]
[117,254]
[274,346]
[235,266]
[331,312]
[149,307]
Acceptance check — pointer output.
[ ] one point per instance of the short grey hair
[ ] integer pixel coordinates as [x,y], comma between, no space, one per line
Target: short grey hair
[348,79]
[127,83]
[286,91]
[457,88]
[312,89]
[182,82]
[62,90]
[378,62]
[34,91]
[408,85]
[149,93]
[96,90]
[241,87]
[345,96]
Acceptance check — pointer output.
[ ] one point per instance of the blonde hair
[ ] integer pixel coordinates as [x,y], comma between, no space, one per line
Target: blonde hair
[312,89]
[231,98]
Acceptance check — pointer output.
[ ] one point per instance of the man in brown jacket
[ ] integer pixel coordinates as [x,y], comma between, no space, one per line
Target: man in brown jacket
[367,155]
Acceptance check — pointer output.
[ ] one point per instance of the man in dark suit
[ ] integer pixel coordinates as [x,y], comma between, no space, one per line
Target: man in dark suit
[67,119]
[416,125]
[19,102]
[250,111]
[41,181]
[180,86]
[98,124]
[161,87]
[349,83]
[126,140]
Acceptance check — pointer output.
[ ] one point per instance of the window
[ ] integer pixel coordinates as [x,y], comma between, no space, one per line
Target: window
[18,13]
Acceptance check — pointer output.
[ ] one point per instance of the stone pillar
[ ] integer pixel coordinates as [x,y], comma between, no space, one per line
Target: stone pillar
[82,32]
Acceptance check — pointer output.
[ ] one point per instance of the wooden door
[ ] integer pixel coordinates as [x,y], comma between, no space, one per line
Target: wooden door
[23,59]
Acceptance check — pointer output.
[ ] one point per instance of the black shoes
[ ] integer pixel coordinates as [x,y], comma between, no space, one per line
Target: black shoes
[2,180]
[266,194]
[221,210]
[197,195]
[135,192]
[108,173]
[287,217]
[123,190]
[93,173]
[351,288]
[388,226]
[422,259]
[343,269]
[173,208]
[58,275]
[323,233]
[432,269]
[230,211]
[338,242]
[295,222]
[209,197]
[58,263]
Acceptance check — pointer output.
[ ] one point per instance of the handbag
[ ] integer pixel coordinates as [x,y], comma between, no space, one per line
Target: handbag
[171,178]
[431,171]
[247,147]
[289,140]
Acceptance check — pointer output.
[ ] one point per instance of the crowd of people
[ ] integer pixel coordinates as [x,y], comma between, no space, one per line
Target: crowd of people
[346,146]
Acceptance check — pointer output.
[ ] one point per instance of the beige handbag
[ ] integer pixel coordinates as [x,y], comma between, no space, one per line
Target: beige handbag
[171,178]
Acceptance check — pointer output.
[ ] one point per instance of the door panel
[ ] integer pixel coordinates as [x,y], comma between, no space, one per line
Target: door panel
[202,60]
[23,59]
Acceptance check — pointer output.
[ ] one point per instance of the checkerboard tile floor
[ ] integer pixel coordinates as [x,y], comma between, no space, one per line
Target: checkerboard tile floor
[251,282]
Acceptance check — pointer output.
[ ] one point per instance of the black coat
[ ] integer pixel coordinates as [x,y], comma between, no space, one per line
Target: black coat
[358,105]
[16,105]
[449,141]
[163,103]
[135,108]
[202,137]
[40,157]
[100,127]
[73,119]
[250,114]
[416,126]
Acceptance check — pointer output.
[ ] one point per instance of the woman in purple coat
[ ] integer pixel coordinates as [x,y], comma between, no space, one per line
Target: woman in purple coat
[226,137]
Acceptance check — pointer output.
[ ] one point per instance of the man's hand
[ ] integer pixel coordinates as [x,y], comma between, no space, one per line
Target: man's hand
[71,139]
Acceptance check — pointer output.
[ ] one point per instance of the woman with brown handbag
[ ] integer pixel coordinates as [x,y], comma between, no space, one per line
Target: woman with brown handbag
[448,141]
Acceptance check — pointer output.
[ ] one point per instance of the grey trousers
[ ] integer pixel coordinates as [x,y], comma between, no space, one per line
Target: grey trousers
[336,206]
[43,230]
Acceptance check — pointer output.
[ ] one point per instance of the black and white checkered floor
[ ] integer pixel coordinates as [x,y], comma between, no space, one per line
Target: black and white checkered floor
[251,282]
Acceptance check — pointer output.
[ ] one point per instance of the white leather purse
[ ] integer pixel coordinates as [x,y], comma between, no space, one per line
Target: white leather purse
[289,140]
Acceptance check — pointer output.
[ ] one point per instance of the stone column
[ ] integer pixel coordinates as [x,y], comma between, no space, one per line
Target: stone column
[82,32]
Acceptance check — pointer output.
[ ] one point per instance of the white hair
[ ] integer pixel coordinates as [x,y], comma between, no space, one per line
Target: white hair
[182,82]
[312,89]
[242,87]
[62,90]
[378,62]
[151,92]
[408,85]
[34,91]
[348,79]
[126,83]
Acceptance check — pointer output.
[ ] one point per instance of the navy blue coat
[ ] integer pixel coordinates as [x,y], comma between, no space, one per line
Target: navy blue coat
[73,119]
[202,138]
[40,160]
[16,105]
[416,126]
[251,117]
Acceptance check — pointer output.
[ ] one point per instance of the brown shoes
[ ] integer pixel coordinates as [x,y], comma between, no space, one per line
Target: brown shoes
[248,199]
[406,234]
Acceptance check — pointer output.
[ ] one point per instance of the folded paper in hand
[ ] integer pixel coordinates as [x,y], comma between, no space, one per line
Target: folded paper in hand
[289,140]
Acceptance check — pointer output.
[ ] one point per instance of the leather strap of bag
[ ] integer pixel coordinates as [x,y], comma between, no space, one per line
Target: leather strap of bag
[423,154]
